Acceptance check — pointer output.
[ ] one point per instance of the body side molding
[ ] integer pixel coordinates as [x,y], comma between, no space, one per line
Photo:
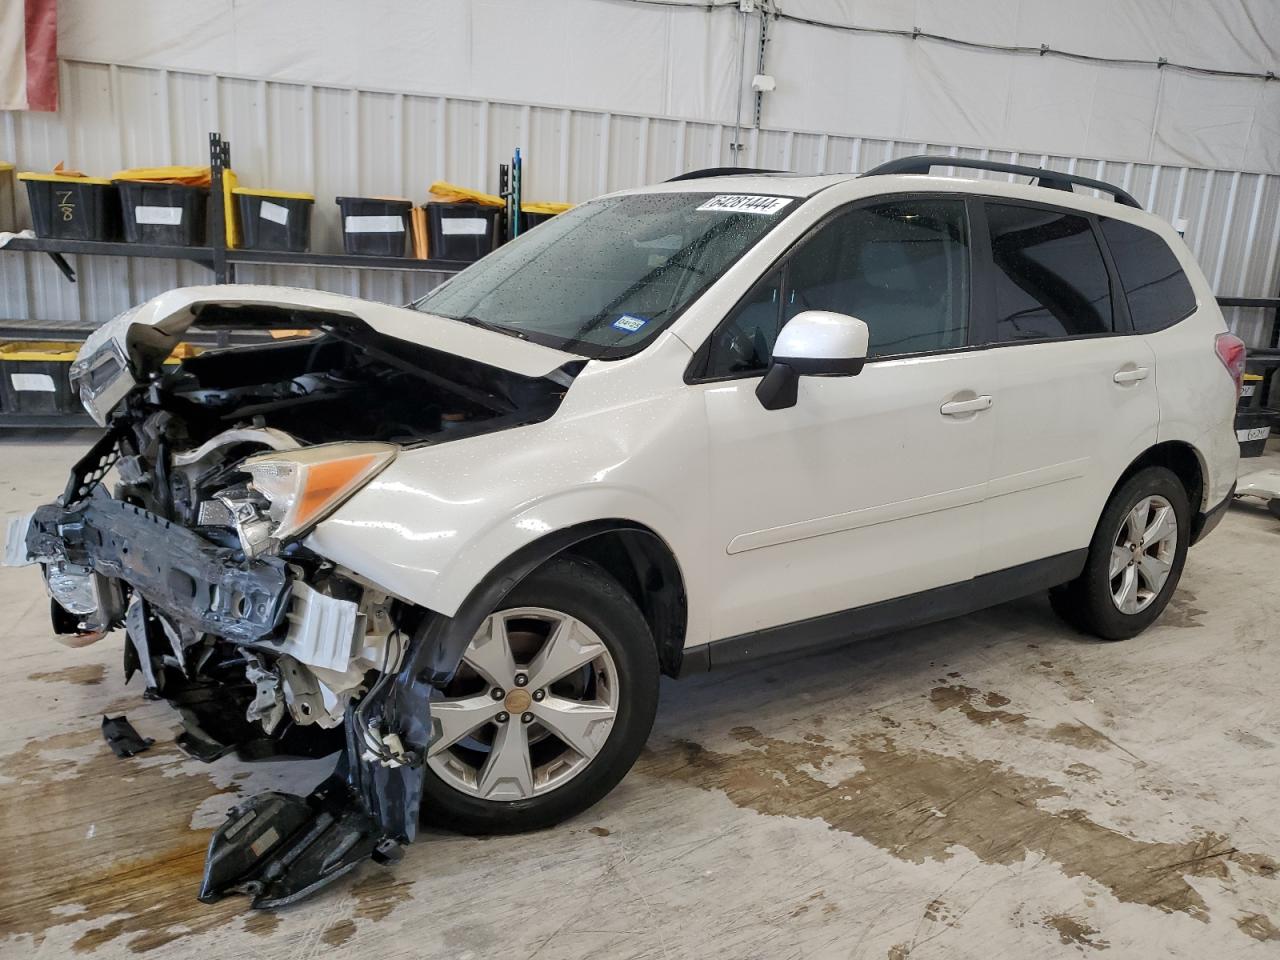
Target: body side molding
[900,613]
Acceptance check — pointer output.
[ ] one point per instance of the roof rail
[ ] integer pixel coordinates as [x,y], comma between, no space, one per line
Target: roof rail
[1052,179]
[717,172]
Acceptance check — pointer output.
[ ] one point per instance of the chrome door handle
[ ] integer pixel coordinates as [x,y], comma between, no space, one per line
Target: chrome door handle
[1130,375]
[955,408]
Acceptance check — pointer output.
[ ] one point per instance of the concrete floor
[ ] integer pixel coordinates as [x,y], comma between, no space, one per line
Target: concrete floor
[990,787]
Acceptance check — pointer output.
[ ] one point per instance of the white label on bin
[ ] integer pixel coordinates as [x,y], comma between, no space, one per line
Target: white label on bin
[1246,390]
[745,203]
[1253,433]
[32,382]
[274,212]
[464,226]
[169,216]
[374,225]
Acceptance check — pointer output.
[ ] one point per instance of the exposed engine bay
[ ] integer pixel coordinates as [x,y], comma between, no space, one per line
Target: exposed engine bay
[218,468]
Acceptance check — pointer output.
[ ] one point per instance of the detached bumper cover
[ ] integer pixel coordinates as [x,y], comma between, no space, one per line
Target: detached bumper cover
[197,583]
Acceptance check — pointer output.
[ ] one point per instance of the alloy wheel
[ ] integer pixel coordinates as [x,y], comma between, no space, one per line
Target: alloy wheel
[1142,554]
[532,704]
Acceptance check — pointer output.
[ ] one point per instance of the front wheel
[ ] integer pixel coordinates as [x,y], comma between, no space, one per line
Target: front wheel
[1135,558]
[550,707]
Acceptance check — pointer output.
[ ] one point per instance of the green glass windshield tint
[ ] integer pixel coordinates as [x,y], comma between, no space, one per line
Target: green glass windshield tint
[603,278]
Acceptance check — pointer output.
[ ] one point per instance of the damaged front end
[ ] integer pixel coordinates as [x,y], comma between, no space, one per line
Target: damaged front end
[219,469]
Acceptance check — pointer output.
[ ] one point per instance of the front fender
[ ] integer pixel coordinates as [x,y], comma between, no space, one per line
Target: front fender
[428,560]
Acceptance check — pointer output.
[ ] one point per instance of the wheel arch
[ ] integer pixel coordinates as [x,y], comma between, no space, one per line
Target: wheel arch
[1188,464]
[1184,460]
[633,553]
[646,567]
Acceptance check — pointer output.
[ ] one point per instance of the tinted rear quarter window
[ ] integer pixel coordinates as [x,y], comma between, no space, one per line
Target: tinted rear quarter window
[1050,278]
[1158,292]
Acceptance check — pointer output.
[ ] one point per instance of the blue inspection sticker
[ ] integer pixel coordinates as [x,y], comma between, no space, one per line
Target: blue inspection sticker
[629,322]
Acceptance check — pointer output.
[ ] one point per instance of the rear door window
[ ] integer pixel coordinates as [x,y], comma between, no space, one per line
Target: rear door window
[1158,292]
[1050,280]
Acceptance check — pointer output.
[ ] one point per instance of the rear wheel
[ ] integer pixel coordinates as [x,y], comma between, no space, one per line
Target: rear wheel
[549,709]
[1135,558]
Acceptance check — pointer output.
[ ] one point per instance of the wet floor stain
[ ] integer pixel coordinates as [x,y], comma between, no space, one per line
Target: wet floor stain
[339,933]
[1082,771]
[918,806]
[1076,932]
[134,875]
[377,894]
[599,831]
[1258,926]
[962,698]
[1182,611]
[84,675]
[815,900]
[261,923]
[937,911]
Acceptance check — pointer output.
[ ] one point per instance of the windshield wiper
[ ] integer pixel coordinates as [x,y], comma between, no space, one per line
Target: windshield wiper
[486,325]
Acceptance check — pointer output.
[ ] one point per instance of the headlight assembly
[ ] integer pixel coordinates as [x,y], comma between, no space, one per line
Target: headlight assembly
[301,488]
[102,378]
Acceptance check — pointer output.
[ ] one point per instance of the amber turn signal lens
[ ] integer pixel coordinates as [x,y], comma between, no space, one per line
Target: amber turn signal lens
[304,486]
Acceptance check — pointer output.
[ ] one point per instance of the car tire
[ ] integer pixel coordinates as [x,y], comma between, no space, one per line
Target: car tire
[1092,603]
[583,591]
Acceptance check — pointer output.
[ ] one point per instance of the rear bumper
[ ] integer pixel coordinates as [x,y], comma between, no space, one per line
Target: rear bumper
[1203,523]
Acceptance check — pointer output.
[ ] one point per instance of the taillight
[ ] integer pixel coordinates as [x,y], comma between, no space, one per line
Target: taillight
[1231,352]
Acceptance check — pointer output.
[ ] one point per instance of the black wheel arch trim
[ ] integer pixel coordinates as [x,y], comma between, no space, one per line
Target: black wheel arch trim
[449,636]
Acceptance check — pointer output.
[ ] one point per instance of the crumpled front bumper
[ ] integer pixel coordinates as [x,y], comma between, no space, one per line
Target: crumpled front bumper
[197,583]
[276,848]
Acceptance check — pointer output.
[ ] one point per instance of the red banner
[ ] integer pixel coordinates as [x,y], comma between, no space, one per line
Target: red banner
[28,55]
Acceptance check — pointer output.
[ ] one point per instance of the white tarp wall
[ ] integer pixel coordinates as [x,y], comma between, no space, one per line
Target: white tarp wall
[384,96]
[677,59]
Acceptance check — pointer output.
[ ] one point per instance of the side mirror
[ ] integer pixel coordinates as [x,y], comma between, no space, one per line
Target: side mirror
[812,344]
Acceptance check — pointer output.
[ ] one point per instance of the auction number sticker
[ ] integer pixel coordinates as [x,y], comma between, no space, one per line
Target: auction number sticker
[745,203]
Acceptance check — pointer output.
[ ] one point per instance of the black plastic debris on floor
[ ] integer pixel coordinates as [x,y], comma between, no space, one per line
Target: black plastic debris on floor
[123,740]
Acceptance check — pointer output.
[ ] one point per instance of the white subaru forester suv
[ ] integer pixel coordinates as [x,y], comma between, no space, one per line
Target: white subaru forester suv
[672,429]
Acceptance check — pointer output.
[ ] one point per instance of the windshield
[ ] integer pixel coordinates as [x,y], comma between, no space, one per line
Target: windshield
[604,277]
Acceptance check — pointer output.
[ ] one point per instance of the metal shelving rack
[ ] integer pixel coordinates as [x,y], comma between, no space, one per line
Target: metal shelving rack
[216,255]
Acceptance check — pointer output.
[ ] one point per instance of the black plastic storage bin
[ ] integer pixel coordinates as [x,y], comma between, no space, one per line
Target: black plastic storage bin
[35,379]
[73,208]
[530,220]
[171,214]
[375,226]
[274,220]
[1250,391]
[1253,428]
[462,231]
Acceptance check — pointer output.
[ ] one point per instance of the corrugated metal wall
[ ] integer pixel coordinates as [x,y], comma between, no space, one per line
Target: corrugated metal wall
[338,141]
